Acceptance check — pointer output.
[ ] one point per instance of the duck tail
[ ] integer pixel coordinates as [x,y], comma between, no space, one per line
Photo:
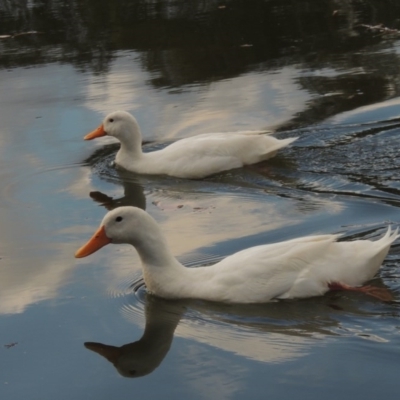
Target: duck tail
[259,132]
[285,142]
[288,141]
[389,237]
[272,148]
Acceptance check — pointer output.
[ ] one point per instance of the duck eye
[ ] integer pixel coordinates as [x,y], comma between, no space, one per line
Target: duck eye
[118,219]
[111,120]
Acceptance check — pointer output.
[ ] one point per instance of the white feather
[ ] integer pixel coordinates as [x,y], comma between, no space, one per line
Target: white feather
[301,267]
[194,157]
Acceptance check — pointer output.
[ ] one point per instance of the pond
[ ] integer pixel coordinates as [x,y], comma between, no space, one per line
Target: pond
[324,71]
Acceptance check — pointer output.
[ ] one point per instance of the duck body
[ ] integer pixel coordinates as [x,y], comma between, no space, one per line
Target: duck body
[297,268]
[195,157]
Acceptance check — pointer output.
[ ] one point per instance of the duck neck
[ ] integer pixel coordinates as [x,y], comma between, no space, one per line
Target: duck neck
[161,320]
[131,147]
[162,272]
[154,251]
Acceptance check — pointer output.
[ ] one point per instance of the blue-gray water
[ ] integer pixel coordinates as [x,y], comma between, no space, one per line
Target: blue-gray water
[321,70]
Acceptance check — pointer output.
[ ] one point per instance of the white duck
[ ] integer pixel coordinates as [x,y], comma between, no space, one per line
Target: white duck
[303,267]
[193,157]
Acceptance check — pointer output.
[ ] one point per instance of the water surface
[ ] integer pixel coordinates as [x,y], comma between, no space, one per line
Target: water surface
[83,329]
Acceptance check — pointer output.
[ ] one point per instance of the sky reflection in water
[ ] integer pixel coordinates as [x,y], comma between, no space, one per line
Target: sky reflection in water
[310,70]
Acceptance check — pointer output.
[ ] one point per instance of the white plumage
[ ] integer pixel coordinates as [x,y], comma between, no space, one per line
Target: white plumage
[193,157]
[303,267]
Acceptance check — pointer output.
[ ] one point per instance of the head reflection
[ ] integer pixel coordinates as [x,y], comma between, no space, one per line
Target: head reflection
[100,161]
[276,332]
[140,358]
[133,196]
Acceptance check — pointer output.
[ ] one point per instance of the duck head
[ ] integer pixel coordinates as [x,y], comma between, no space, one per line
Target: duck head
[119,124]
[133,226]
[122,225]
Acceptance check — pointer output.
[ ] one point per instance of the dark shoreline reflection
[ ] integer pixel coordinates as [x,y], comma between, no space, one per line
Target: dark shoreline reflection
[288,328]
[200,42]
[202,33]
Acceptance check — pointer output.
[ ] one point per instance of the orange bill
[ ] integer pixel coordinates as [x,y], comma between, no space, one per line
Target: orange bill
[112,353]
[96,242]
[96,133]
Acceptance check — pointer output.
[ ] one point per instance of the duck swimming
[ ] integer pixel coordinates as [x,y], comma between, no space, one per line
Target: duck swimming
[303,267]
[194,157]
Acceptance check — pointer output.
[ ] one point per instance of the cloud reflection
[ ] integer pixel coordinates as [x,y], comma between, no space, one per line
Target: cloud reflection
[273,333]
[250,101]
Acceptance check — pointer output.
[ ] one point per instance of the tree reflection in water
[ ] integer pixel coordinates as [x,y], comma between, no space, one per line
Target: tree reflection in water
[200,42]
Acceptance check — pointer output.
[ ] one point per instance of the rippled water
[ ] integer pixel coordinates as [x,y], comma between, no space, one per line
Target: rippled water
[321,70]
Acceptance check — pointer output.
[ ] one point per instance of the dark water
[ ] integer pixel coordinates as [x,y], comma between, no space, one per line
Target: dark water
[325,71]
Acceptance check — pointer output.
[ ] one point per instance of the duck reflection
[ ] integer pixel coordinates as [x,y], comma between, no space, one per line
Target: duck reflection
[133,196]
[133,190]
[279,178]
[143,356]
[273,332]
